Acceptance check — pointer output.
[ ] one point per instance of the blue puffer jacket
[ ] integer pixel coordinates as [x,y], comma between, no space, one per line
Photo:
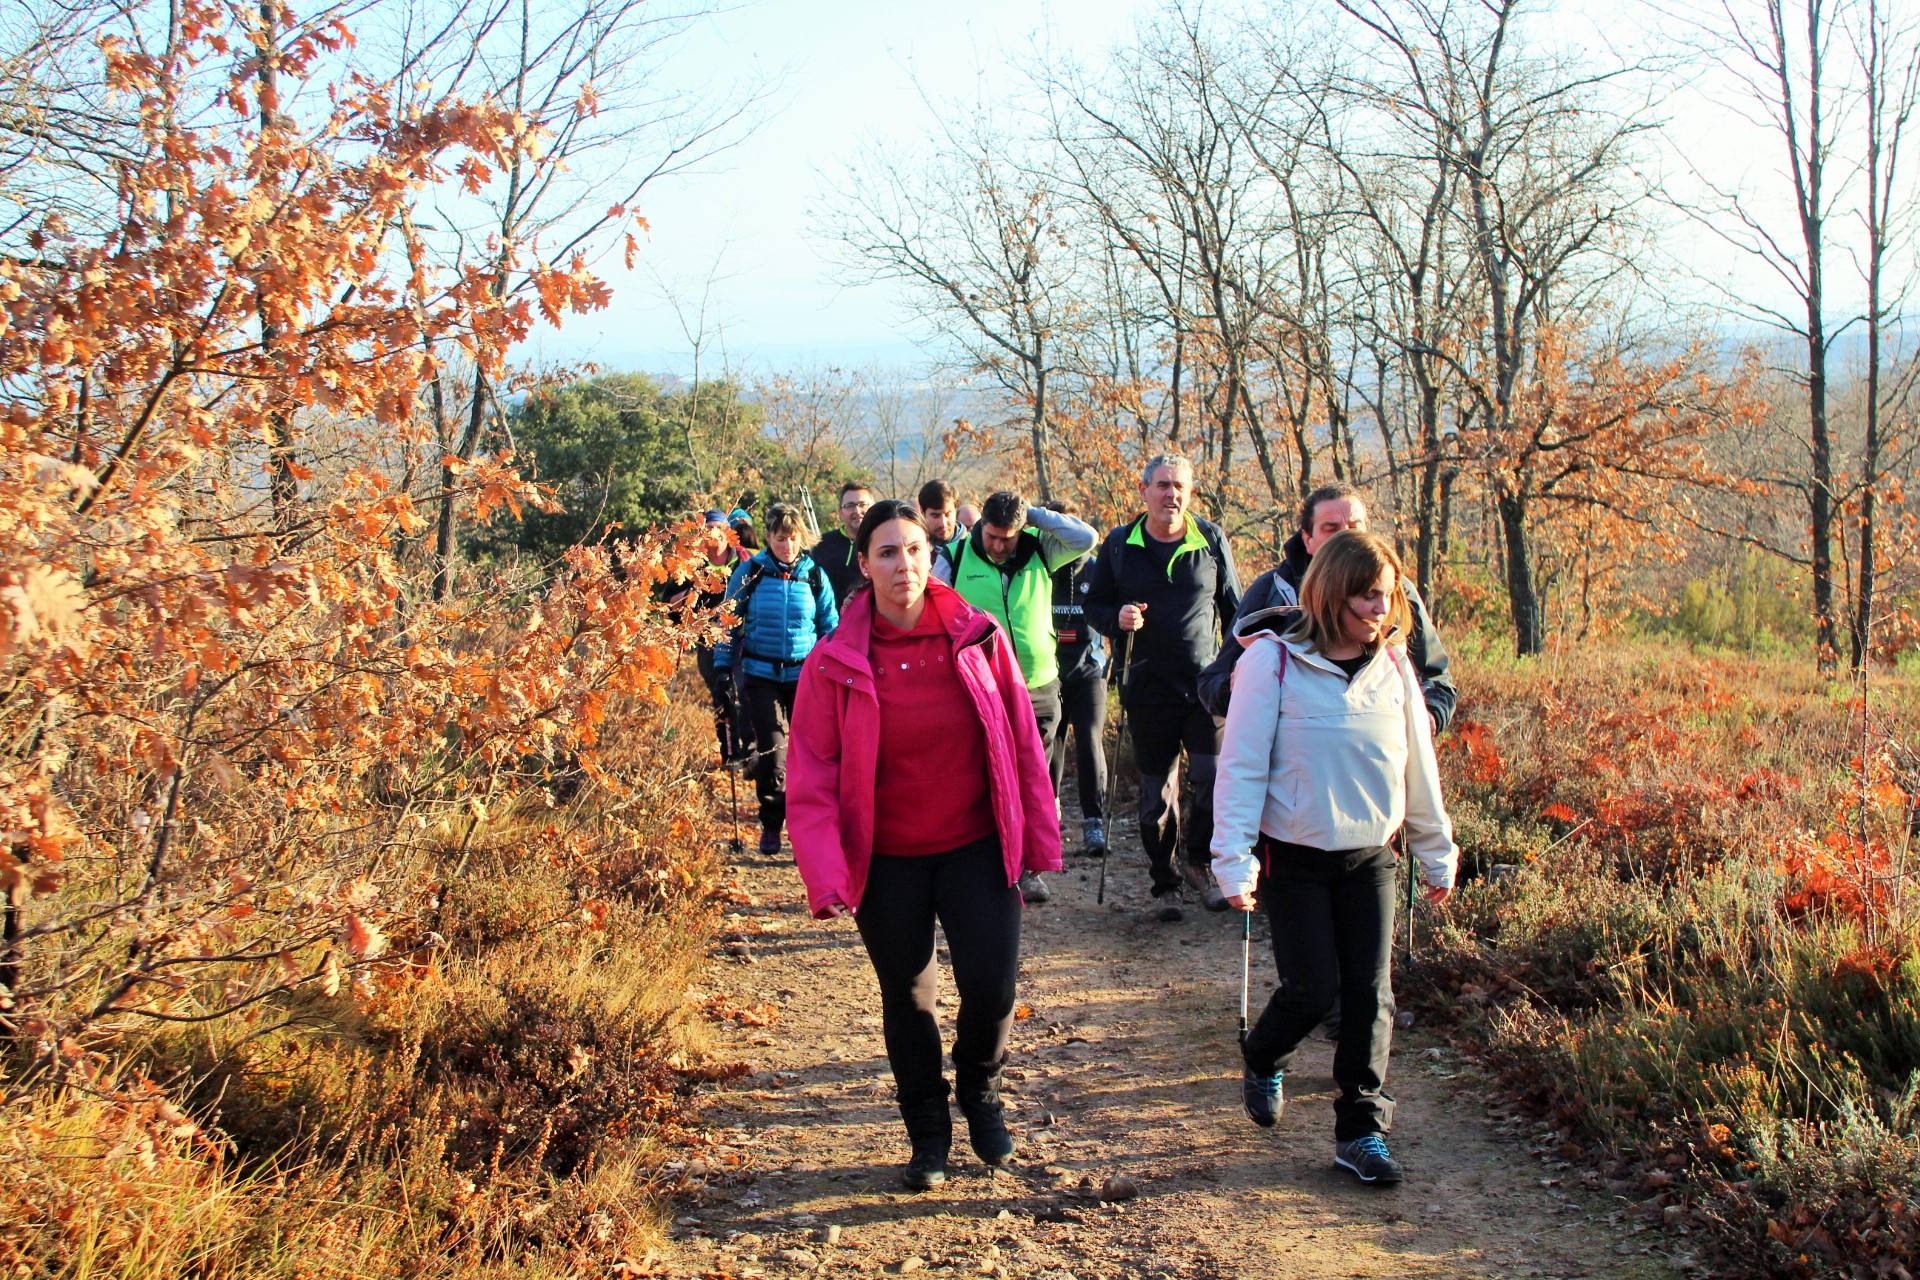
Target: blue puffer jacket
[788,609]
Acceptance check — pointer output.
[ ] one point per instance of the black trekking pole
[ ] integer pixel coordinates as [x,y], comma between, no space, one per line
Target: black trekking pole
[1113,816]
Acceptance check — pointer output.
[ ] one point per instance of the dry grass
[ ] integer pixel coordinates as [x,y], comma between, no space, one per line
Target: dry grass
[498,1096]
[1704,951]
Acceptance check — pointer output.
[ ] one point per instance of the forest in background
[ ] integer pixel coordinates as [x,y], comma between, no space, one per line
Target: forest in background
[351,815]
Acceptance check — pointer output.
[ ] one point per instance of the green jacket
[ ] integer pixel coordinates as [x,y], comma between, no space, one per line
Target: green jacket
[1019,593]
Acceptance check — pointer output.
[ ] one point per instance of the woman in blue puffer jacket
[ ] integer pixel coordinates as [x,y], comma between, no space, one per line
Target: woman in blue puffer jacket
[785,606]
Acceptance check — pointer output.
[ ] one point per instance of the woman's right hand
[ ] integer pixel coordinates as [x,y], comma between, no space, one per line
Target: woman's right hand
[834,910]
[1241,901]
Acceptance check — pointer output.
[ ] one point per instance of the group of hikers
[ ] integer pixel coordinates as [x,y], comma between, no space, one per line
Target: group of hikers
[902,692]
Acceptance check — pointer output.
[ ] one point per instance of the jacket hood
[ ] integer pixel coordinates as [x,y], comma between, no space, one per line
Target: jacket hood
[1294,558]
[1272,620]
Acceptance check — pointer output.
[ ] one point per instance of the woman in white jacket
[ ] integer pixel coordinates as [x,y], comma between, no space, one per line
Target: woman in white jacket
[1328,751]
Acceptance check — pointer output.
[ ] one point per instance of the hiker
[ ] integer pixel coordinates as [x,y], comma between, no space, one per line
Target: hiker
[727,537]
[968,515]
[1328,510]
[1328,750]
[834,552]
[1163,590]
[785,604]
[939,507]
[920,793]
[1084,663]
[1005,568]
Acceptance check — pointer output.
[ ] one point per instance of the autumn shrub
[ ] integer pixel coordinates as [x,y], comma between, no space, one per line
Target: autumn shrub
[1701,950]
[350,893]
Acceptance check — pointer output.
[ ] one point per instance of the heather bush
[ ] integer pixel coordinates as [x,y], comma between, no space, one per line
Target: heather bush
[1702,954]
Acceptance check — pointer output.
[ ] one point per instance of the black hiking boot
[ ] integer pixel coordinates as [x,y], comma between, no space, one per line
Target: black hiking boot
[978,1091]
[930,1131]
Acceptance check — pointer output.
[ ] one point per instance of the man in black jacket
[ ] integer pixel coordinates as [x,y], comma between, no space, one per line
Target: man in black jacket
[1164,588]
[834,552]
[1330,509]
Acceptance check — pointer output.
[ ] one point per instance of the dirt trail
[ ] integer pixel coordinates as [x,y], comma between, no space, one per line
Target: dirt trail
[1125,1067]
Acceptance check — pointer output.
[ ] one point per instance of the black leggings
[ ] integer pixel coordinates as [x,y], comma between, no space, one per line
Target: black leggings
[770,707]
[967,890]
[1083,700]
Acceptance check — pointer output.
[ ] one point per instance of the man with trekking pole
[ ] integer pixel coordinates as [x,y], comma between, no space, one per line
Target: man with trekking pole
[1164,587]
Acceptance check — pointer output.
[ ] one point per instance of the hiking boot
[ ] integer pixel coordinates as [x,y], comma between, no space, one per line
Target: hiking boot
[770,844]
[1200,881]
[1033,890]
[1262,1096]
[1367,1159]
[1169,906]
[927,1168]
[977,1090]
[930,1131]
[1093,838]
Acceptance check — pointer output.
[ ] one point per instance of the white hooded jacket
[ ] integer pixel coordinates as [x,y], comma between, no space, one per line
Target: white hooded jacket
[1311,758]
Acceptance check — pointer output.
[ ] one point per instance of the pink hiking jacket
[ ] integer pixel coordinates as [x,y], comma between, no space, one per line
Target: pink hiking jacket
[834,745]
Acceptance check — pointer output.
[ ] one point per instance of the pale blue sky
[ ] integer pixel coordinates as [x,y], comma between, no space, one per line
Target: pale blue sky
[847,71]
[854,71]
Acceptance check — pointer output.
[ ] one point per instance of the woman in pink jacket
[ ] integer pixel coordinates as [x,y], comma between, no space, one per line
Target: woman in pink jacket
[918,789]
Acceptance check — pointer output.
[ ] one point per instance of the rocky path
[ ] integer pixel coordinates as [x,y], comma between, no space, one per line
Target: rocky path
[1123,1080]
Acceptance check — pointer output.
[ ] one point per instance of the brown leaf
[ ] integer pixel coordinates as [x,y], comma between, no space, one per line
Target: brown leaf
[362,940]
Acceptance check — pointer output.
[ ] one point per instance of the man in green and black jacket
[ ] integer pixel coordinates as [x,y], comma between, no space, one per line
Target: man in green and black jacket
[1165,589]
[1005,567]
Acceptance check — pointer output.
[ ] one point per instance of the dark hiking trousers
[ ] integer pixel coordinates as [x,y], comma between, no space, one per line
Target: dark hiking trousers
[770,710]
[729,719]
[1159,732]
[1046,714]
[1331,913]
[1083,709]
[965,889]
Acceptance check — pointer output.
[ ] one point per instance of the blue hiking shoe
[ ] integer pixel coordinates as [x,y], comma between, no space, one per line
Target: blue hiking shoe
[1368,1159]
[1261,1095]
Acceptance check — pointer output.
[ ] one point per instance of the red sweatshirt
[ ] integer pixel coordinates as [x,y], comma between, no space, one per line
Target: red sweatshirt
[932,786]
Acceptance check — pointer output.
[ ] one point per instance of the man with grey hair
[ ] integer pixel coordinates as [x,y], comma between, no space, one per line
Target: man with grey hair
[1164,588]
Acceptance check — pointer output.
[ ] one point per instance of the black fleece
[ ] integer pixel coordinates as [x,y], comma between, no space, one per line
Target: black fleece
[1187,604]
[834,553]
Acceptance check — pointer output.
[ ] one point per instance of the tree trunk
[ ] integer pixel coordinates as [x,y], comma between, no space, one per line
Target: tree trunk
[1429,480]
[1038,428]
[1529,630]
[1820,492]
[283,487]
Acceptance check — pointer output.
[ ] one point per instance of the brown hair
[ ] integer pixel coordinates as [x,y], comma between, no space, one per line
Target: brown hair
[938,494]
[784,517]
[878,514]
[1347,565]
[1325,493]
